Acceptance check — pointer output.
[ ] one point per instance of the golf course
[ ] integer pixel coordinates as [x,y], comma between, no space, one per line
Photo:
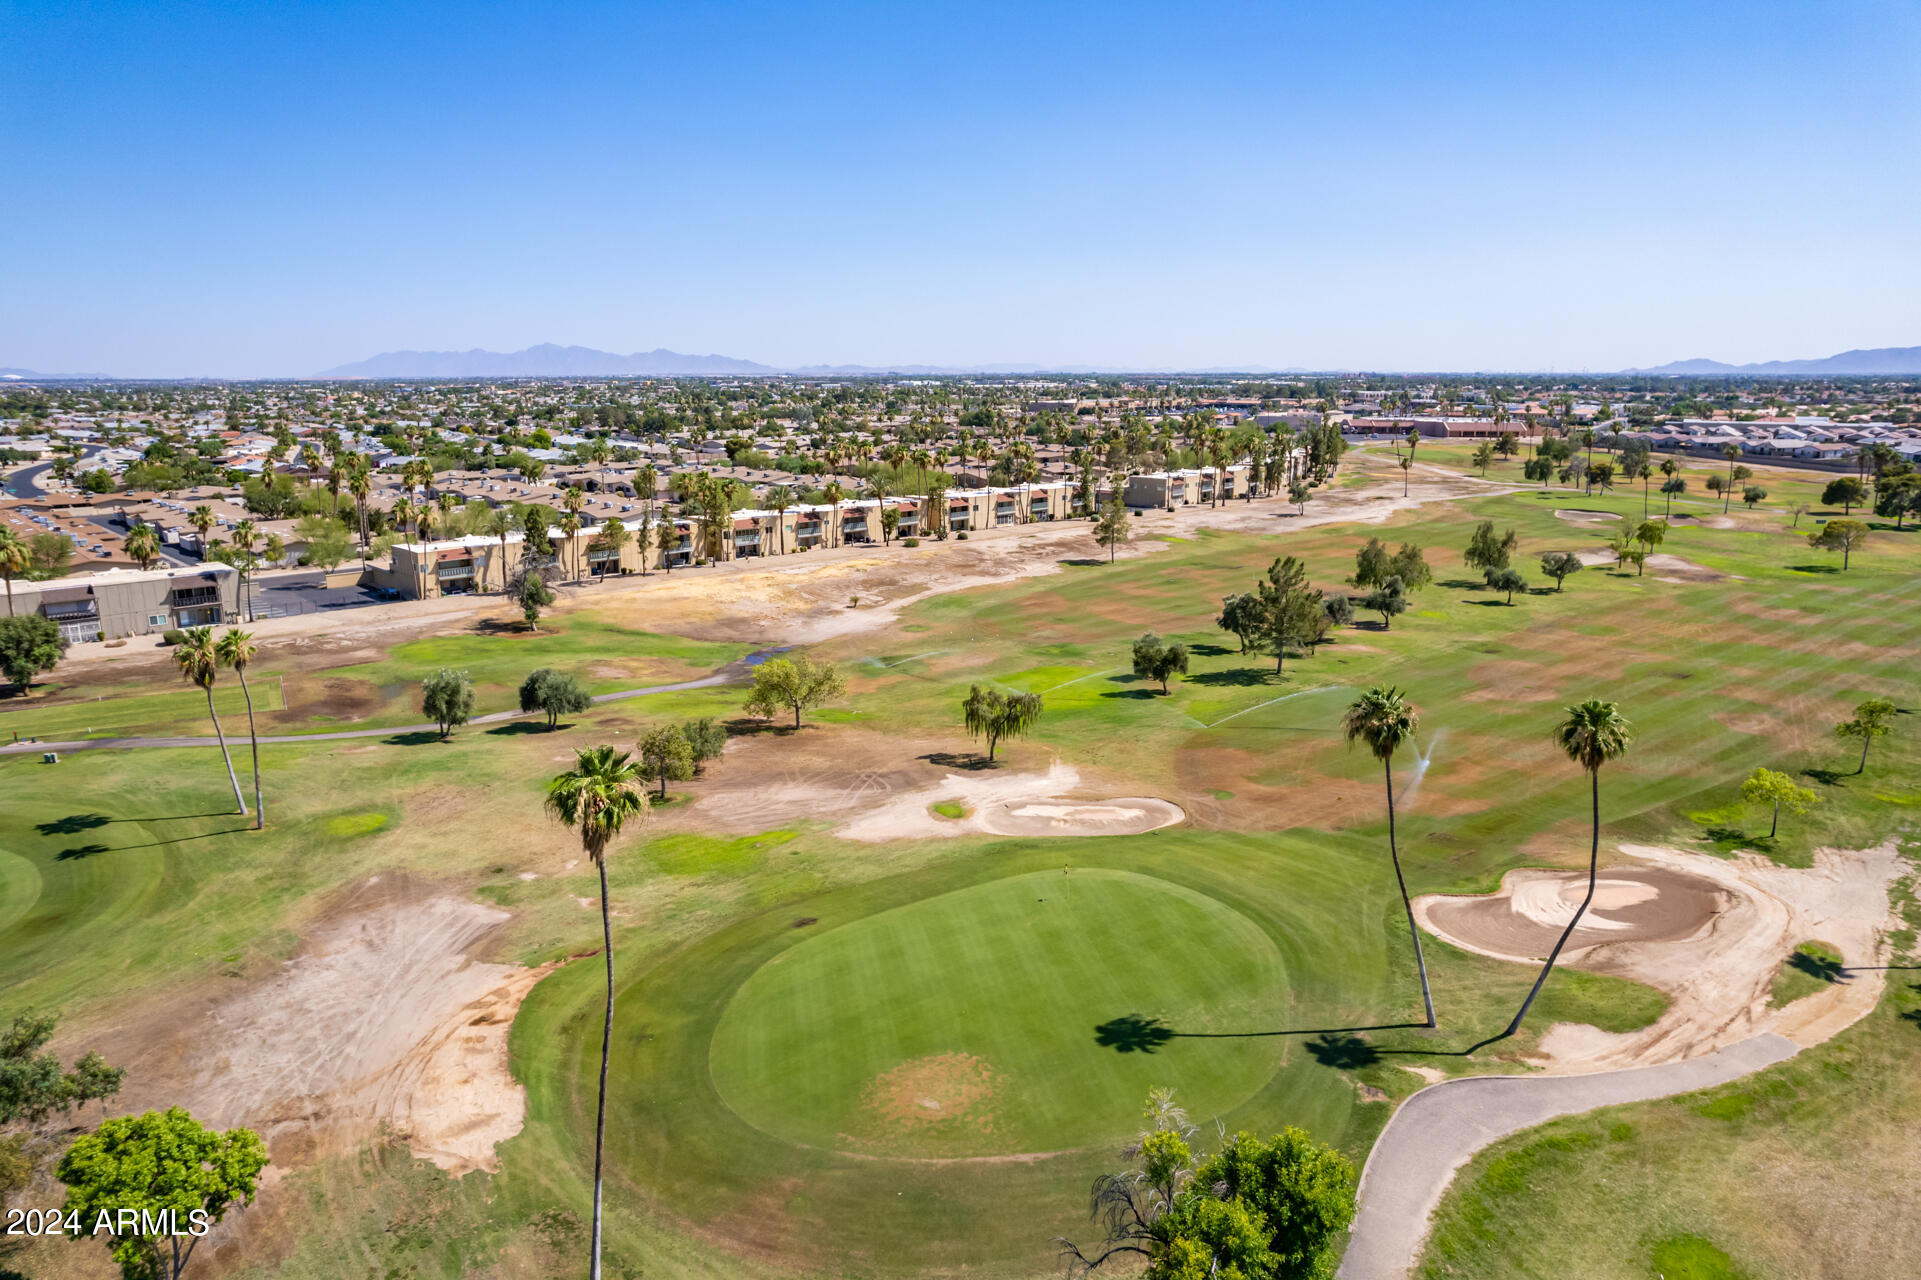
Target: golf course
[858,1033]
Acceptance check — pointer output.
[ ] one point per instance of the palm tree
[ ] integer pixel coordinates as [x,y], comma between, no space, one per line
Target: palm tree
[236,649]
[423,529]
[596,797]
[501,523]
[779,499]
[13,560]
[1593,733]
[834,493]
[1730,452]
[199,661]
[1669,468]
[569,526]
[360,484]
[242,540]
[143,545]
[1384,719]
[202,520]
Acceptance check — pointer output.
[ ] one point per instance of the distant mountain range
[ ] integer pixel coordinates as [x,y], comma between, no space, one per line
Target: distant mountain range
[543,361]
[550,361]
[1898,360]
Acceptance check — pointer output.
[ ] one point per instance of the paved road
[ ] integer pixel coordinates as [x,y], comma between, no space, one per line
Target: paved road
[733,671]
[1438,1129]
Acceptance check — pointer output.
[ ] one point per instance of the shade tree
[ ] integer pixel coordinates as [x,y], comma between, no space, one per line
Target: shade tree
[1159,660]
[1869,721]
[29,645]
[1840,535]
[447,698]
[1778,790]
[1488,550]
[1507,579]
[553,694]
[1560,565]
[989,713]
[666,756]
[793,684]
[138,1183]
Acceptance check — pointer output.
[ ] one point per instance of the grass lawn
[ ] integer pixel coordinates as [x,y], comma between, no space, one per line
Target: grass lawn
[1814,966]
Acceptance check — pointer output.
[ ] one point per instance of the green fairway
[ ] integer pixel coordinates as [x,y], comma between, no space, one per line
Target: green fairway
[963,1024]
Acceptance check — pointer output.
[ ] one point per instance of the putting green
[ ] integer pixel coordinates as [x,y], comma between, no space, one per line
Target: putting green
[1025,1014]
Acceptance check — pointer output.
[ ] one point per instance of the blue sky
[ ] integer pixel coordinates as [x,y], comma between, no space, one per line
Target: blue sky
[257,190]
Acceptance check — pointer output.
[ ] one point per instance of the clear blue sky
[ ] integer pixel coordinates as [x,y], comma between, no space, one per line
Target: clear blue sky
[270,189]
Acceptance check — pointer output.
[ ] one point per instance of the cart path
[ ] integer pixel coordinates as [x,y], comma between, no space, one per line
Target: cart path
[1439,1129]
[732,672]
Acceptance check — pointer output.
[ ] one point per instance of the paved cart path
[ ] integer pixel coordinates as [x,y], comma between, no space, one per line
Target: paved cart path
[1440,1128]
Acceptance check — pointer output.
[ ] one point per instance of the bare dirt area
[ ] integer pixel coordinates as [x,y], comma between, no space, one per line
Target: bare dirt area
[1710,932]
[943,1090]
[381,1022]
[1670,568]
[1010,804]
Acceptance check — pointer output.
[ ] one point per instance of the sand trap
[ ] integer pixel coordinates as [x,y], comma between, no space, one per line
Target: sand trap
[1125,816]
[1576,515]
[1011,804]
[1522,920]
[381,1021]
[1712,936]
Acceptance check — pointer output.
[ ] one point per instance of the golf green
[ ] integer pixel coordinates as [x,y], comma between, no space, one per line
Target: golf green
[1028,1014]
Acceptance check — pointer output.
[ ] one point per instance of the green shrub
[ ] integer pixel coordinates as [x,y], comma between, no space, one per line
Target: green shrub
[961,536]
[910,542]
[172,635]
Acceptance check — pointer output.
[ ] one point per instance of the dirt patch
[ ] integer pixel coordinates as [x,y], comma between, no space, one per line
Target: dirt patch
[381,1021]
[1669,568]
[1575,515]
[943,1090]
[1011,804]
[1720,976]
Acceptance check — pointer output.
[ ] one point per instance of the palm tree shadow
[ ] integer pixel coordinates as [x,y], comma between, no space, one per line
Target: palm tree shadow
[1133,1033]
[80,851]
[73,824]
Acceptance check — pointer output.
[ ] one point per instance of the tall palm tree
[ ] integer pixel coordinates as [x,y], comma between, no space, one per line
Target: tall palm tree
[596,798]
[1384,719]
[779,499]
[1593,733]
[202,520]
[243,539]
[500,523]
[834,493]
[569,526]
[13,560]
[423,529]
[199,661]
[360,484]
[236,649]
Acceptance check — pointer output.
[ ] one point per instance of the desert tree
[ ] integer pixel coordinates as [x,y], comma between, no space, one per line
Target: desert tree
[706,738]
[1840,535]
[447,698]
[1560,565]
[1112,529]
[1372,564]
[666,756]
[1591,734]
[1389,600]
[1241,615]
[1777,790]
[1507,579]
[1385,720]
[1156,659]
[144,1174]
[793,684]
[1870,721]
[989,713]
[597,798]
[1846,492]
[553,694]
[1489,550]
[29,645]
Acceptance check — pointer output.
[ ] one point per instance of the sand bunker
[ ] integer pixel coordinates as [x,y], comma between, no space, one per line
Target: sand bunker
[1013,804]
[381,1021]
[1710,932]
[1576,515]
[1524,918]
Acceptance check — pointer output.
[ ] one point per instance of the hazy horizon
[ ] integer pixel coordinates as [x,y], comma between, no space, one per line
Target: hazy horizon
[258,191]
